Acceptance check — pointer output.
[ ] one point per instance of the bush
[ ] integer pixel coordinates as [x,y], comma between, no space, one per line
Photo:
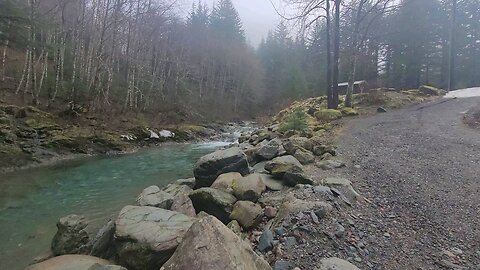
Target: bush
[296,120]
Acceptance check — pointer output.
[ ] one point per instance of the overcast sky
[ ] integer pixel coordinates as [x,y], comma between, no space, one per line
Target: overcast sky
[258,16]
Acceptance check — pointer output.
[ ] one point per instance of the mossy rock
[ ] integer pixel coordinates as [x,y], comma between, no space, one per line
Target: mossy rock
[41,123]
[12,155]
[110,140]
[431,91]
[326,115]
[347,111]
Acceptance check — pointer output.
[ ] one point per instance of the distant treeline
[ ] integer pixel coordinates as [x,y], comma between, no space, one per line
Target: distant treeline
[141,55]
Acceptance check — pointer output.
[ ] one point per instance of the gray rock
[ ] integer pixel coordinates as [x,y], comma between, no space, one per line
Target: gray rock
[269,150]
[339,230]
[272,183]
[189,182]
[249,188]
[294,143]
[224,181]
[265,242]
[247,213]
[235,227]
[381,110]
[181,201]
[304,156]
[293,179]
[211,245]
[280,165]
[281,265]
[280,231]
[335,264]
[214,202]
[290,242]
[147,236]
[102,243]
[74,262]
[259,167]
[210,166]
[330,164]
[153,196]
[71,236]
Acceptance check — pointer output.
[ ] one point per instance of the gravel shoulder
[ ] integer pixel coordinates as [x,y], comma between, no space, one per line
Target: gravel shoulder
[420,169]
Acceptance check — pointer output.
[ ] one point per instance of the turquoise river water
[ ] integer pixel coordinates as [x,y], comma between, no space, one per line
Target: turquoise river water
[32,201]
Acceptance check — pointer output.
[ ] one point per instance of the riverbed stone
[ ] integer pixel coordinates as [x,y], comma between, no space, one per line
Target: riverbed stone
[209,244]
[181,201]
[147,236]
[153,196]
[189,182]
[247,213]
[210,166]
[224,181]
[280,165]
[304,156]
[265,242]
[292,179]
[272,183]
[75,262]
[330,164]
[335,264]
[214,202]
[269,150]
[249,188]
[71,236]
[102,243]
[259,167]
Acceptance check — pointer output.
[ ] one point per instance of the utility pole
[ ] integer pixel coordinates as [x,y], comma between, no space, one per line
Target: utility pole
[451,64]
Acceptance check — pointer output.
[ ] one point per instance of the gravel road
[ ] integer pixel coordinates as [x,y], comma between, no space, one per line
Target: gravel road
[420,168]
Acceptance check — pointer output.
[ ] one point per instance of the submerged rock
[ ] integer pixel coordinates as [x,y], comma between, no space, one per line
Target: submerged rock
[210,166]
[146,236]
[214,202]
[75,262]
[71,236]
[209,244]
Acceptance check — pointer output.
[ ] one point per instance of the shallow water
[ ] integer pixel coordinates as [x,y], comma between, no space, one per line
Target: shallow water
[32,201]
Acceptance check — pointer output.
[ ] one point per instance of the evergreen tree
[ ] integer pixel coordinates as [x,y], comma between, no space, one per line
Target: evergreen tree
[226,23]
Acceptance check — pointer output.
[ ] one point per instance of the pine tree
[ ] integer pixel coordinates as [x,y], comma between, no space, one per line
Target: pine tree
[226,23]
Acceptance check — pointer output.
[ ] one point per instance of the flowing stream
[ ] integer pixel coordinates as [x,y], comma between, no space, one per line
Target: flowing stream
[32,201]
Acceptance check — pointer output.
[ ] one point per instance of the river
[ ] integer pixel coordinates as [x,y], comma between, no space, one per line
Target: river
[32,201]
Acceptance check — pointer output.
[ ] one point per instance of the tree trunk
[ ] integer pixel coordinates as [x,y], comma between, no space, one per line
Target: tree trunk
[330,102]
[451,65]
[336,55]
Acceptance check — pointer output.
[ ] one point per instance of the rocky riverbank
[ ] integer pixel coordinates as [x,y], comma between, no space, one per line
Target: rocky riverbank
[31,137]
[271,201]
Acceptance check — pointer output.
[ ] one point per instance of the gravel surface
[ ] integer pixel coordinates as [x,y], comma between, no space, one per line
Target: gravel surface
[419,169]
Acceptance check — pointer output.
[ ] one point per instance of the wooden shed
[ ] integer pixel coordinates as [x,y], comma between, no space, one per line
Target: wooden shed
[358,87]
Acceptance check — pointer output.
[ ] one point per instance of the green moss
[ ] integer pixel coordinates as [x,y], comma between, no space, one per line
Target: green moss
[41,123]
[110,140]
[347,111]
[326,115]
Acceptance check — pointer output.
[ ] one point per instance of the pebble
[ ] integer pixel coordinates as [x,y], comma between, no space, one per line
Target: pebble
[280,231]
[339,231]
[281,265]
[386,235]
[314,217]
[270,212]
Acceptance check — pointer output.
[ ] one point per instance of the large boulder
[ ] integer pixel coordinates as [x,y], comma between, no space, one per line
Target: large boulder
[293,179]
[181,201]
[210,166]
[249,188]
[214,202]
[335,264]
[294,143]
[247,213]
[269,150]
[304,156]
[211,245]
[71,236]
[147,236]
[271,183]
[153,196]
[102,242]
[280,165]
[224,181]
[75,262]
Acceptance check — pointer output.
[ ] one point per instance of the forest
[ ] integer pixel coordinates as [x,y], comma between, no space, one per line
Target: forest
[113,56]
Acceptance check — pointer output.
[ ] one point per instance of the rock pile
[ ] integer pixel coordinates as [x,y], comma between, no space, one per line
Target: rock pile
[246,207]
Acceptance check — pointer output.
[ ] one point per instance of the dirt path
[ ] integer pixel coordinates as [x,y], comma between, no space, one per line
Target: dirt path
[420,168]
